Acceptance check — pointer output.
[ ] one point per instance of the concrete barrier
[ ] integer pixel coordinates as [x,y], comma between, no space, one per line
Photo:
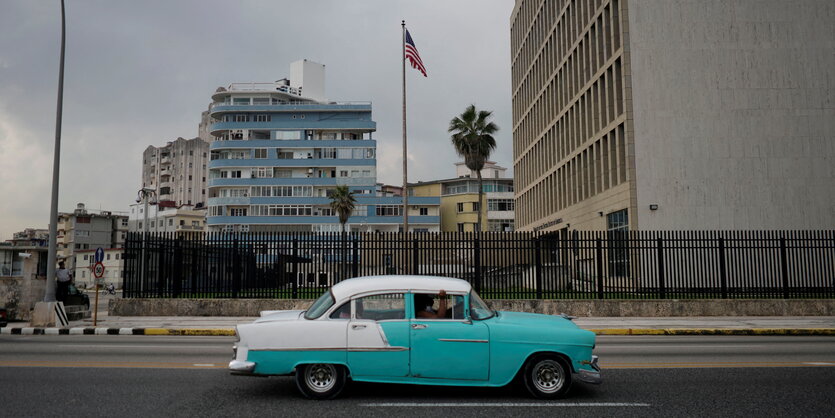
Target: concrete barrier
[585,308]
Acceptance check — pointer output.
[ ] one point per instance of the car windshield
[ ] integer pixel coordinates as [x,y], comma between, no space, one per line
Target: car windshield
[320,306]
[478,309]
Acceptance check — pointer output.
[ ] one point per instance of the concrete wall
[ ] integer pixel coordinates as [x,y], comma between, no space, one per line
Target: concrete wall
[19,294]
[587,308]
[734,113]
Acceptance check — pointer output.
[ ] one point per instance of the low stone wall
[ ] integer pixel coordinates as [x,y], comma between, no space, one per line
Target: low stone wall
[584,308]
[19,295]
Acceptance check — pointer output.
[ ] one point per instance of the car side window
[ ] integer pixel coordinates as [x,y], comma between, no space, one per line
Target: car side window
[343,312]
[381,307]
[428,306]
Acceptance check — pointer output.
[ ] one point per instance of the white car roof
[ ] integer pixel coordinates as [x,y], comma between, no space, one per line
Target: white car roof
[350,287]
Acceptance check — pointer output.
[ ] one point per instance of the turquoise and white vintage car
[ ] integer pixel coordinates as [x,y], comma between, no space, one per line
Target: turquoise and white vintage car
[418,330]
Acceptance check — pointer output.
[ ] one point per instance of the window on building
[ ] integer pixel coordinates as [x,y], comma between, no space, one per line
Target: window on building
[476,206]
[260,153]
[617,224]
[241,118]
[460,207]
[263,118]
[460,227]
[288,135]
[500,204]
[389,210]
[424,211]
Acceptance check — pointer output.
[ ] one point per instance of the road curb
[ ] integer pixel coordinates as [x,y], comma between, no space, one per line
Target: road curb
[716,331]
[231,331]
[118,331]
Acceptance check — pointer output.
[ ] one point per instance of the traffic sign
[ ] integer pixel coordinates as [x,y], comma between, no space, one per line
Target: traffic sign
[98,270]
[99,255]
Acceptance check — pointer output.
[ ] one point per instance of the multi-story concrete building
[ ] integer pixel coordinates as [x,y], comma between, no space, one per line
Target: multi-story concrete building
[177,172]
[162,219]
[281,148]
[659,114]
[83,229]
[114,267]
[459,199]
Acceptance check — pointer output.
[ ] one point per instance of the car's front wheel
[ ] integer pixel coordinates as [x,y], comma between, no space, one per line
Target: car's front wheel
[321,381]
[547,377]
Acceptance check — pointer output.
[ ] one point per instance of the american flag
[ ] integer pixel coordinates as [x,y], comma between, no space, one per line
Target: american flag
[412,54]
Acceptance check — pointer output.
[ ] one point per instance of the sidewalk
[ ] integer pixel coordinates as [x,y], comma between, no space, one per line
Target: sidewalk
[225,326]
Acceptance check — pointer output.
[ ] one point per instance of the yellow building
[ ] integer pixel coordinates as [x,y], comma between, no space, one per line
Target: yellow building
[459,200]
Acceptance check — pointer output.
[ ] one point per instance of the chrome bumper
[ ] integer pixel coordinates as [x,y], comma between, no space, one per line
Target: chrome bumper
[589,376]
[241,367]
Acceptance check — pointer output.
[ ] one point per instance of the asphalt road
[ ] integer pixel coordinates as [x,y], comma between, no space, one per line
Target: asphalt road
[185,376]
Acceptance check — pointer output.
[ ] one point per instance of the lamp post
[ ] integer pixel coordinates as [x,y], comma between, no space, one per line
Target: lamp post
[145,195]
[52,258]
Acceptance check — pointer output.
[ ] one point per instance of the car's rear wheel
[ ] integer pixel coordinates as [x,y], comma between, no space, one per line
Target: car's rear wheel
[547,377]
[321,381]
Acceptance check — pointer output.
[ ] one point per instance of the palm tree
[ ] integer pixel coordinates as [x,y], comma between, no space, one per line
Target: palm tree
[343,203]
[472,136]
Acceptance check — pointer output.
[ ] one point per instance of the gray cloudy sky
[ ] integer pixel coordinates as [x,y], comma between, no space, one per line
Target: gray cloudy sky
[139,73]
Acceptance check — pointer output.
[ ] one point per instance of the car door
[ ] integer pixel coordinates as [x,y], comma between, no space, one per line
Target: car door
[455,348]
[378,336]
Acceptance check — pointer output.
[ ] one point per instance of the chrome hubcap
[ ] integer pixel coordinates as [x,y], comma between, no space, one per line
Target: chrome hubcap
[548,376]
[320,377]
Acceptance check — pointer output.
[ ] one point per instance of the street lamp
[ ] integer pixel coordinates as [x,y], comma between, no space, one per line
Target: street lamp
[146,195]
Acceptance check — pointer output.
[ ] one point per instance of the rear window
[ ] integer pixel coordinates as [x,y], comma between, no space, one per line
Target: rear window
[320,306]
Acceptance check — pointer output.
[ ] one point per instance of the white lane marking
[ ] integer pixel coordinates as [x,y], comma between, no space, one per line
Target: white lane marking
[502,404]
[203,365]
[819,363]
[627,346]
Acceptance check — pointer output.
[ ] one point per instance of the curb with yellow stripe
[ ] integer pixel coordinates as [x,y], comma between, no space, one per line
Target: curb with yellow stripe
[605,331]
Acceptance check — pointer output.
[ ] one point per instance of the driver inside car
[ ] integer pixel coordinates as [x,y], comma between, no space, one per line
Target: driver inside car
[425,302]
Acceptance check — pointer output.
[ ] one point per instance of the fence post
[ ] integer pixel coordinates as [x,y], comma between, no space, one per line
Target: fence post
[161,251]
[355,255]
[661,285]
[477,262]
[599,268]
[295,269]
[784,267]
[537,259]
[723,274]
[236,269]
[177,273]
[415,256]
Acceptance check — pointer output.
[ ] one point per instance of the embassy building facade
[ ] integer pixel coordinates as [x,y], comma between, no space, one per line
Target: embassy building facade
[673,115]
[279,150]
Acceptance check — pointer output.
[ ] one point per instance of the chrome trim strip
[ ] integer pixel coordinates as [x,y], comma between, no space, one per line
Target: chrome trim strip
[351,349]
[454,340]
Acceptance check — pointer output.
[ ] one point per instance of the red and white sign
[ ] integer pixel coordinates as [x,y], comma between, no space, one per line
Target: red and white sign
[98,270]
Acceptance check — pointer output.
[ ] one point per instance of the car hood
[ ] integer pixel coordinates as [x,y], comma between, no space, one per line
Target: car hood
[271,316]
[532,319]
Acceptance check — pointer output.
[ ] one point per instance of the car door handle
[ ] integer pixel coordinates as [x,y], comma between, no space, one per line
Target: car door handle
[418,326]
[357,326]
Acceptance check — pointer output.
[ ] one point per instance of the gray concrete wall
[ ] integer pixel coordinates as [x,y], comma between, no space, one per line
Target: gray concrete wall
[734,113]
[586,308]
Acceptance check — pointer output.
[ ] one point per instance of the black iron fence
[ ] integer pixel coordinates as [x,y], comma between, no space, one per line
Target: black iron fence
[579,265]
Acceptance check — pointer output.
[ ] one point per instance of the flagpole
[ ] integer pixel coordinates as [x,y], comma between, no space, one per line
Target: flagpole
[405,191]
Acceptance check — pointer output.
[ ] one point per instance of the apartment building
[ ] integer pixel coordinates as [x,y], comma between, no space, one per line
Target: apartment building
[660,115]
[84,229]
[177,172]
[280,149]
[166,219]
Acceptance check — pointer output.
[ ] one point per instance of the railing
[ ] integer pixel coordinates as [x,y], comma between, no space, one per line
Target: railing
[292,103]
[584,265]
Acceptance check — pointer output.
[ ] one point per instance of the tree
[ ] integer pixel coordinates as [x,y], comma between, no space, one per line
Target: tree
[343,203]
[472,136]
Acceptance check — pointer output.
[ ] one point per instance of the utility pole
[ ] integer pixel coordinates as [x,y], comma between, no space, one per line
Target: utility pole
[52,257]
